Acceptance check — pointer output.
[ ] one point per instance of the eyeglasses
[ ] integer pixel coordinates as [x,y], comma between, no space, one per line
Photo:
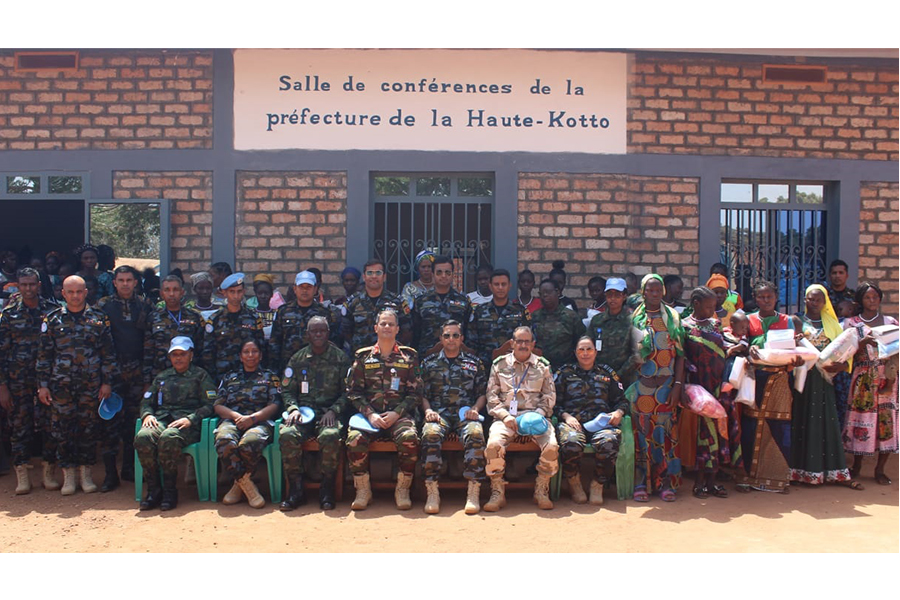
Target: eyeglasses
[448,336]
[374,273]
[522,341]
[443,272]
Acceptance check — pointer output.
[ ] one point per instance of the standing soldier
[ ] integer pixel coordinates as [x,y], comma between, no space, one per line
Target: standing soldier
[359,313]
[556,328]
[438,306]
[315,377]
[610,331]
[227,330]
[128,314]
[453,379]
[291,320]
[20,330]
[171,413]
[493,322]
[164,323]
[384,385]
[520,383]
[75,367]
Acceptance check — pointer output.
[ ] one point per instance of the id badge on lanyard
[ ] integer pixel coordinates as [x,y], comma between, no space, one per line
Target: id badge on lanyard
[395,380]
[159,395]
[304,385]
[514,403]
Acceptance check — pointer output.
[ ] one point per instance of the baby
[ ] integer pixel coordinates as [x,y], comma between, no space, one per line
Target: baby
[736,340]
[845,309]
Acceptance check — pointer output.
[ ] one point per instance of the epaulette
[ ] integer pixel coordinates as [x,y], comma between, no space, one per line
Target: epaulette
[609,370]
[543,361]
[408,350]
[362,350]
[498,358]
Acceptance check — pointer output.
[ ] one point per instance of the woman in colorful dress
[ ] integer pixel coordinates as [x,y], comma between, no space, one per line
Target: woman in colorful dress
[704,356]
[872,417]
[766,425]
[424,266]
[203,287]
[659,338]
[817,455]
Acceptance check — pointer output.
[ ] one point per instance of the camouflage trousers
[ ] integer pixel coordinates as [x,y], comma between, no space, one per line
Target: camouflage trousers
[26,417]
[160,448]
[571,448]
[470,433]
[292,437]
[74,422]
[403,433]
[241,450]
[499,438]
[128,383]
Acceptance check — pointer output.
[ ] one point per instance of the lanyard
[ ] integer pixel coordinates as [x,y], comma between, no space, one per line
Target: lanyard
[518,386]
[174,318]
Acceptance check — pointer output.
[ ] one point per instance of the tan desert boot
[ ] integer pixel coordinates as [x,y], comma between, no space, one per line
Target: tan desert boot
[363,492]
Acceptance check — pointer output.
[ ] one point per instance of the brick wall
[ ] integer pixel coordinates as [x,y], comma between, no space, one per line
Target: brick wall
[289,221]
[115,100]
[705,106]
[878,239]
[190,200]
[608,225]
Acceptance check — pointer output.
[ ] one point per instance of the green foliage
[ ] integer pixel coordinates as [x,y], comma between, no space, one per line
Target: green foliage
[132,230]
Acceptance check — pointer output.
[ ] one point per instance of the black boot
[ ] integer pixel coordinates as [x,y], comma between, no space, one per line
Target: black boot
[4,458]
[154,493]
[295,494]
[128,463]
[169,498]
[326,492]
[111,480]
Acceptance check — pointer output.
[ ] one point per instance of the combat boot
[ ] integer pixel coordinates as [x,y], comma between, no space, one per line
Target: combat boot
[433,503]
[473,504]
[169,497]
[363,492]
[87,484]
[326,492]
[401,491]
[127,473]
[111,479]
[154,492]
[596,493]
[498,494]
[576,489]
[234,495]
[253,496]
[23,481]
[70,481]
[542,492]
[295,494]
[50,482]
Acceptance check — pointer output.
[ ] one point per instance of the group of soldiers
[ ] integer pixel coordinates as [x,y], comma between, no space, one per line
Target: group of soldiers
[172,367]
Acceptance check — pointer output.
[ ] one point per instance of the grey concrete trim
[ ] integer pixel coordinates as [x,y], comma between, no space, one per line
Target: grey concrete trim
[708,234]
[845,221]
[505,234]
[224,175]
[359,214]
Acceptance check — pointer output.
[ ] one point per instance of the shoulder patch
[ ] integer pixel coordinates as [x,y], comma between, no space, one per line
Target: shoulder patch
[210,394]
[288,372]
[44,327]
[147,394]
[543,361]
[209,328]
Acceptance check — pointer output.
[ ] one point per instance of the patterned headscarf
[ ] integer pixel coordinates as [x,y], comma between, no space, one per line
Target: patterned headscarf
[197,278]
[640,321]
[717,281]
[264,277]
[423,255]
[830,322]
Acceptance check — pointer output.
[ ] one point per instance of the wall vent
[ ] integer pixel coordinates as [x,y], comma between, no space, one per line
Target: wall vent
[47,61]
[794,74]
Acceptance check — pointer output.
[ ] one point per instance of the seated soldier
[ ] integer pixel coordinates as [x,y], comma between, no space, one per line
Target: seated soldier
[172,410]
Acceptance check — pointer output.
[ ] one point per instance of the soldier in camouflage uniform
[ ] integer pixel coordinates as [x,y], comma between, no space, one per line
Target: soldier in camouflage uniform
[20,329]
[584,389]
[385,386]
[172,411]
[166,322]
[612,329]
[75,367]
[556,328]
[436,307]
[128,314]
[315,377]
[451,380]
[227,330]
[361,309]
[492,323]
[291,320]
[248,399]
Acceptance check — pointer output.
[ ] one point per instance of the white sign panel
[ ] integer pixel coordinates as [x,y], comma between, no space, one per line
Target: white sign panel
[463,100]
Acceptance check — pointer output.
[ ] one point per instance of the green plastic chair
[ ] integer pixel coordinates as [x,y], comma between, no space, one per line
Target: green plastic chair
[271,454]
[197,451]
[624,464]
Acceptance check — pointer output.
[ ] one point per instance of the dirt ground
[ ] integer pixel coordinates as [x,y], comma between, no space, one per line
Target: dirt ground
[822,519]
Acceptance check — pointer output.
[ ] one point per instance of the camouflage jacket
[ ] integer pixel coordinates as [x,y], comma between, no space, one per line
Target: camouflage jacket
[76,346]
[358,317]
[451,383]
[616,349]
[491,326]
[289,331]
[223,336]
[246,393]
[585,394]
[325,376]
[432,311]
[556,333]
[370,381]
[161,328]
[536,393]
[174,395]
[20,335]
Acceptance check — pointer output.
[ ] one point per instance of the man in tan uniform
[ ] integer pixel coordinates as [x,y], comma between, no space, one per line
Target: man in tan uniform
[520,382]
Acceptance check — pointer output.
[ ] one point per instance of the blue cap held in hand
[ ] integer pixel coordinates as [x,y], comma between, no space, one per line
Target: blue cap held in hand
[109,407]
[359,421]
[464,410]
[598,423]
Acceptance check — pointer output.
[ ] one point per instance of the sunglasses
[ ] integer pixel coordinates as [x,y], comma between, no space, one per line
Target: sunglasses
[448,336]
[374,273]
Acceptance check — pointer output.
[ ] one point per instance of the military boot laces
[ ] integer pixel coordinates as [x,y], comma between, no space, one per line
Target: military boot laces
[433,502]
[542,492]
[70,481]
[472,498]
[576,489]
[50,482]
[596,493]
[253,496]
[234,495]
[498,495]
[23,481]
[87,483]
[363,492]
[401,492]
